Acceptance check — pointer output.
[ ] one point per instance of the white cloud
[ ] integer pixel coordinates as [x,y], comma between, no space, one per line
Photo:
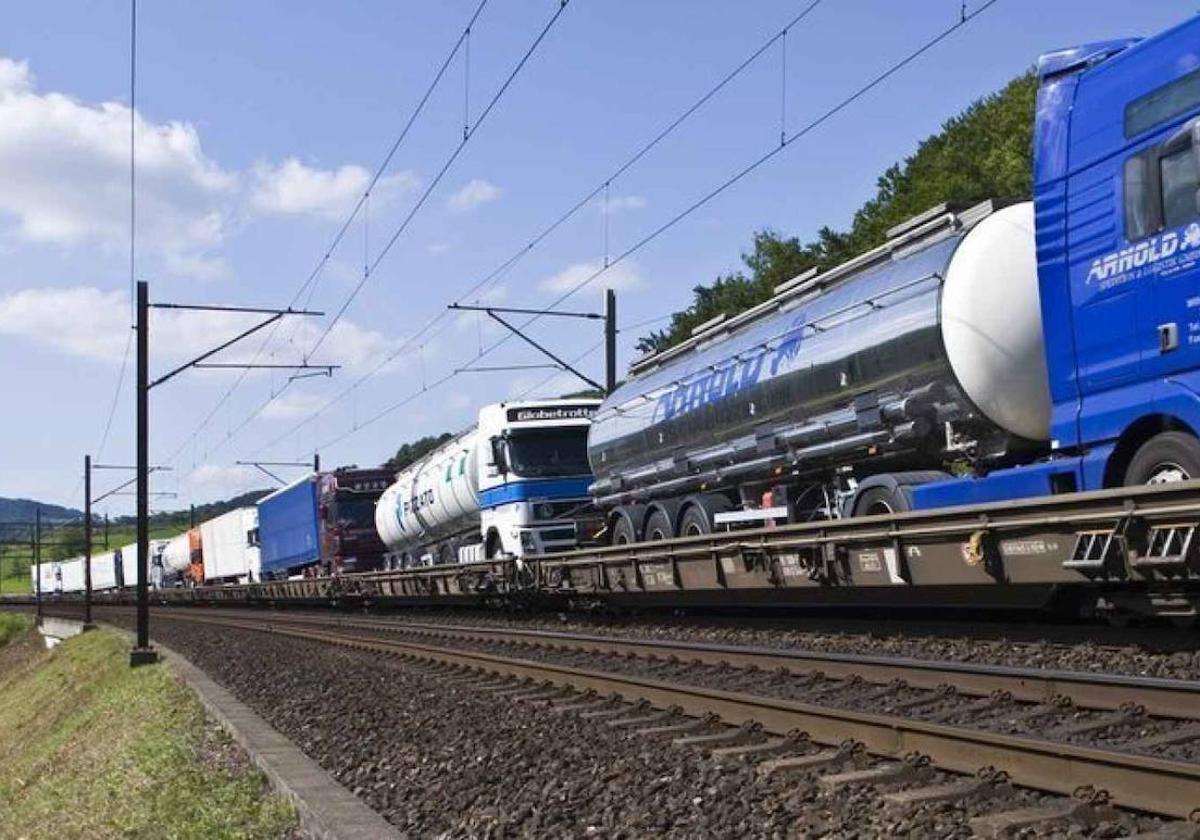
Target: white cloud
[89,323]
[476,192]
[617,203]
[64,166]
[293,404]
[229,480]
[623,276]
[79,321]
[293,188]
[438,248]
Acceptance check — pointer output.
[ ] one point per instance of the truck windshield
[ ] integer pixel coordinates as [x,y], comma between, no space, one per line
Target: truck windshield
[357,513]
[549,452]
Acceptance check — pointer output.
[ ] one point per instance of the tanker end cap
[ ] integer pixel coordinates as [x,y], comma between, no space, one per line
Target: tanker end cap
[992,323]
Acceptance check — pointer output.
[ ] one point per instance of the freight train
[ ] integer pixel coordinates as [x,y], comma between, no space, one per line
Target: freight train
[322,524]
[982,354]
[1033,356]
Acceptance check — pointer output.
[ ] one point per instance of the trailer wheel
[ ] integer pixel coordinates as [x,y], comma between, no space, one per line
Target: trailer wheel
[658,526]
[881,501]
[1164,459]
[697,519]
[623,531]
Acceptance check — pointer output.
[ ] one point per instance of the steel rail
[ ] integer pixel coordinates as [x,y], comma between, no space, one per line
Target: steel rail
[1158,696]
[1161,697]
[1144,783]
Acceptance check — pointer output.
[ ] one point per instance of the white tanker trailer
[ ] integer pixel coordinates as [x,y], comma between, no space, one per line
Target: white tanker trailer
[842,392]
[513,485]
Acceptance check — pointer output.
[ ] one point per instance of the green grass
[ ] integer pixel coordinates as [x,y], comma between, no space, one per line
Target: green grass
[11,625]
[90,748]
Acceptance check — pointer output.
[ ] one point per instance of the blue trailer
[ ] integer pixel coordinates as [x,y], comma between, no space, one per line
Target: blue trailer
[983,353]
[288,529]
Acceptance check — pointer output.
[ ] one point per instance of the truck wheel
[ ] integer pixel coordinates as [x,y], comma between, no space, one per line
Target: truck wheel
[695,522]
[623,531]
[881,501]
[1165,459]
[658,527]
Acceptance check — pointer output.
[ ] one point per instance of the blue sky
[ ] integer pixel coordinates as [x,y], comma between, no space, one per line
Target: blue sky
[258,126]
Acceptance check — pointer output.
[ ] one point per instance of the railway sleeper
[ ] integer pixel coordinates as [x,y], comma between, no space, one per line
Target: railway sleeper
[644,719]
[959,791]
[747,733]
[894,773]
[1164,739]
[616,708]
[1086,809]
[993,702]
[1171,831]
[845,752]
[687,725]
[1128,713]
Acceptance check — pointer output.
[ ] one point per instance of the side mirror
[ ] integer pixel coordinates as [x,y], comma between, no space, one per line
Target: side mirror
[499,463]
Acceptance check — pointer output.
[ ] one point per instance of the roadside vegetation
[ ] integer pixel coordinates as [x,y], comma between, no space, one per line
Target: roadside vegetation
[90,748]
[11,626]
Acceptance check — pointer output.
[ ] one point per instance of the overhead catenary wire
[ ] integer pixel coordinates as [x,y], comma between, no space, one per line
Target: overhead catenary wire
[116,399]
[421,201]
[603,186]
[311,281]
[812,125]
[467,135]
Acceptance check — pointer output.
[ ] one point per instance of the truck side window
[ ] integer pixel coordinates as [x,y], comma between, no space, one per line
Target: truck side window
[1140,218]
[1180,181]
[1162,105]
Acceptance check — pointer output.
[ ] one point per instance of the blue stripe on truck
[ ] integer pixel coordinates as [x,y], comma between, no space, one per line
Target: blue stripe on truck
[537,489]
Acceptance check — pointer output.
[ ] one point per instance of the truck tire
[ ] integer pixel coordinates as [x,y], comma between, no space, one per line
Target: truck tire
[881,501]
[1164,459]
[697,519]
[623,531]
[658,526]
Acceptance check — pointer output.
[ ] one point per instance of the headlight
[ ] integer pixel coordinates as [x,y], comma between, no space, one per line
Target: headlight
[545,511]
[528,543]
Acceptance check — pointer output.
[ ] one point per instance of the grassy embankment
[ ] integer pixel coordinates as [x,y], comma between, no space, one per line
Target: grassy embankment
[90,748]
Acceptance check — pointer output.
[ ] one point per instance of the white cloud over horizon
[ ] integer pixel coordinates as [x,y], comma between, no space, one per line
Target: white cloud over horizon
[474,193]
[617,203]
[86,322]
[64,166]
[293,188]
[624,276]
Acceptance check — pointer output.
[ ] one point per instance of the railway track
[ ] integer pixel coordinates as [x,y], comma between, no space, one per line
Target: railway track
[858,720]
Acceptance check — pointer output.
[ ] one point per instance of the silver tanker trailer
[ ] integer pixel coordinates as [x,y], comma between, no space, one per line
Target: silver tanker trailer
[840,393]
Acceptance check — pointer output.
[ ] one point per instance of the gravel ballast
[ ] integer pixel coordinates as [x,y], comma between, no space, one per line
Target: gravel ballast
[443,759]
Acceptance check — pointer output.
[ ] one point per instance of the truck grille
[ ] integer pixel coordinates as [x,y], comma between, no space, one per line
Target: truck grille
[550,535]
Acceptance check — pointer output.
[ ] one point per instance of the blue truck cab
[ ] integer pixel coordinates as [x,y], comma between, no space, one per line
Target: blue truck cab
[1117,205]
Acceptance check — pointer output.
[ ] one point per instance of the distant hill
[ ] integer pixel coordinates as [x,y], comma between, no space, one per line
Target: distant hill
[23,510]
[182,518]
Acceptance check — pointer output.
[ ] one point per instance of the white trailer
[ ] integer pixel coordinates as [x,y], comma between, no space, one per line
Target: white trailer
[51,574]
[72,574]
[104,571]
[126,562]
[231,551]
[514,485]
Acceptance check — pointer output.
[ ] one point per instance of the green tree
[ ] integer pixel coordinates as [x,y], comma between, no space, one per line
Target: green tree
[410,453]
[984,152]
